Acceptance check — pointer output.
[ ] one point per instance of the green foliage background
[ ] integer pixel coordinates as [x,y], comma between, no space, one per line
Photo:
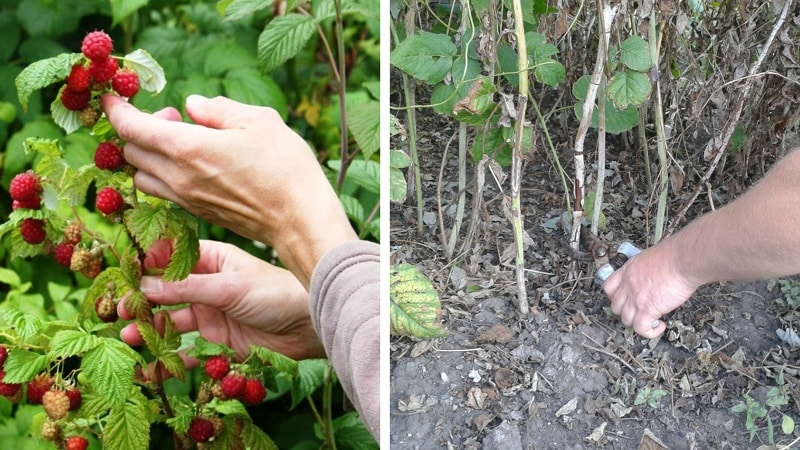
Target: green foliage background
[202,52]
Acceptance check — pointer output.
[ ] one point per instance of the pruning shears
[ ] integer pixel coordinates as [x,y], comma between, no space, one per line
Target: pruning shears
[607,256]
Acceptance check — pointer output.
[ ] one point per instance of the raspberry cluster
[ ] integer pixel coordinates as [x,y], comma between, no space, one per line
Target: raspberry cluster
[98,72]
[229,384]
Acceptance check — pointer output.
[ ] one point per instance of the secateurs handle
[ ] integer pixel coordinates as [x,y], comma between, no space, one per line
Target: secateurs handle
[628,250]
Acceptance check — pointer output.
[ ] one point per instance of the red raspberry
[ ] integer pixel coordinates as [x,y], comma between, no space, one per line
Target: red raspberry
[254,392]
[63,253]
[108,156]
[125,82]
[75,100]
[79,78]
[233,386]
[8,389]
[76,443]
[109,201]
[25,187]
[3,356]
[201,429]
[33,231]
[106,309]
[97,45]
[34,203]
[217,367]
[56,404]
[75,398]
[102,71]
[37,387]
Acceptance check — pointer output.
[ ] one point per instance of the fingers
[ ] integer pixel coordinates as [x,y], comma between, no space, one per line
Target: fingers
[223,113]
[148,129]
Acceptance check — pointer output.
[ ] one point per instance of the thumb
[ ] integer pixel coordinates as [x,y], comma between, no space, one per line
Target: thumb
[223,113]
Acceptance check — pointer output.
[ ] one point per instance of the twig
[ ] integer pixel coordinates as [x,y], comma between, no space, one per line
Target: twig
[608,353]
[716,147]
[443,232]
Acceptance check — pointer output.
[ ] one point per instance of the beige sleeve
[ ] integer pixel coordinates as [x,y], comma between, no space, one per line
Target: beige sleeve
[345,310]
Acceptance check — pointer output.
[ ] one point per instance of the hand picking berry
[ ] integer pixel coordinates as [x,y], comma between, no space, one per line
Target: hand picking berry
[125,82]
[97,45]
[25,186]
[217,367]
[109,201]
[32,231]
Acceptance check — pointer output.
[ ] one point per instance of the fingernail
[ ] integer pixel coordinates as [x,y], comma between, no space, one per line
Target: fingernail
[195,100]
[151,285]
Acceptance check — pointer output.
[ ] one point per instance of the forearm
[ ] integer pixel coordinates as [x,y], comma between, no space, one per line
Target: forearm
[753,237]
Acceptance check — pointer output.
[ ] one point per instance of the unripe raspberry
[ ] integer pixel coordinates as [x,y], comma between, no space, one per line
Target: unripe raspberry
[37,387]
[93,270]
[25,186]
[89,117]
[51,431]
[106,309]
[63,253]
[201,429]
[254,392]
[56,404]
[76,443]
[79,78]
[108,156]
[217,367]
[97,45]
[108,201]
[81,258]
[32,231]
[75,100]
[233,385]
[73,233]
[125,82]
[219,425]
[204,395]
[103,71]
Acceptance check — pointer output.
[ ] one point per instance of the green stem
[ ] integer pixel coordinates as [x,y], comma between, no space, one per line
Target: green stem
[327,394]
[663,161]
[516,161]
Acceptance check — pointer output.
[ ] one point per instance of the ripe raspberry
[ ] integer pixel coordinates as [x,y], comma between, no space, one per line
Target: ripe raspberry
[34,203]
[217,367]
[3,356]
[94,268]
[51,431]
[254,392]
[79,78]
[89,117]
[25,186]
[56,404]
[73,233]
[108,201]
[8,389]
[233,385]
[108,156]
[97,45]
[75,398]
[106,309]
[63,253]
[125,82]
[76,443]
[33,231]
[75,100]
[102,71]
[81,258]
[37,387]
[201,429]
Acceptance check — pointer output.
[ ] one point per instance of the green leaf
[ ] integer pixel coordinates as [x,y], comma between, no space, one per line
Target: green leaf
[109,367]
[43,73]
[173,363]
[425,56]
[398,159]
[550,72]
[398,190]
[255,438]
[628,88]
[617,121]
[203,347]
[414,306]
[353,208]
[351,433]
[27,327]
[240,9]
[146,224]
[278,361]
[151,74]
[68,120]
[248,85]
[364,173]
[363,120]
[183,229]
[787,425]
[120,9]
[67,343]
[635,55]
[127,426]
[283,38]
[10,277]
[22,365]
[311,377]
[491,142]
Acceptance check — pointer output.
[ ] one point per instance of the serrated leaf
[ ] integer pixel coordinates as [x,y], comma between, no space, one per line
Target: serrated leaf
[398,190]
[146,224]
[628,88]
[151,74]
[182,227]
[27,327]
[77,184]
[173,363]
[363,121]
[127,426]
[43,73]
[351,433]
[249,85]
[110,276]
[283,38]
[22,365]
[255,438]
[109,367]
[280,362]
[634,54]
[67,343]
[353,209]
[68,120]
[617,121]
[364,173]
[239,9]
[202,347]
[550,72]
[425,56]
[311,377]
[414,303]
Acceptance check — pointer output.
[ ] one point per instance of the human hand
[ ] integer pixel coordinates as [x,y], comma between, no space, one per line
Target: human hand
[646,287]
[238,166]
[232,298]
